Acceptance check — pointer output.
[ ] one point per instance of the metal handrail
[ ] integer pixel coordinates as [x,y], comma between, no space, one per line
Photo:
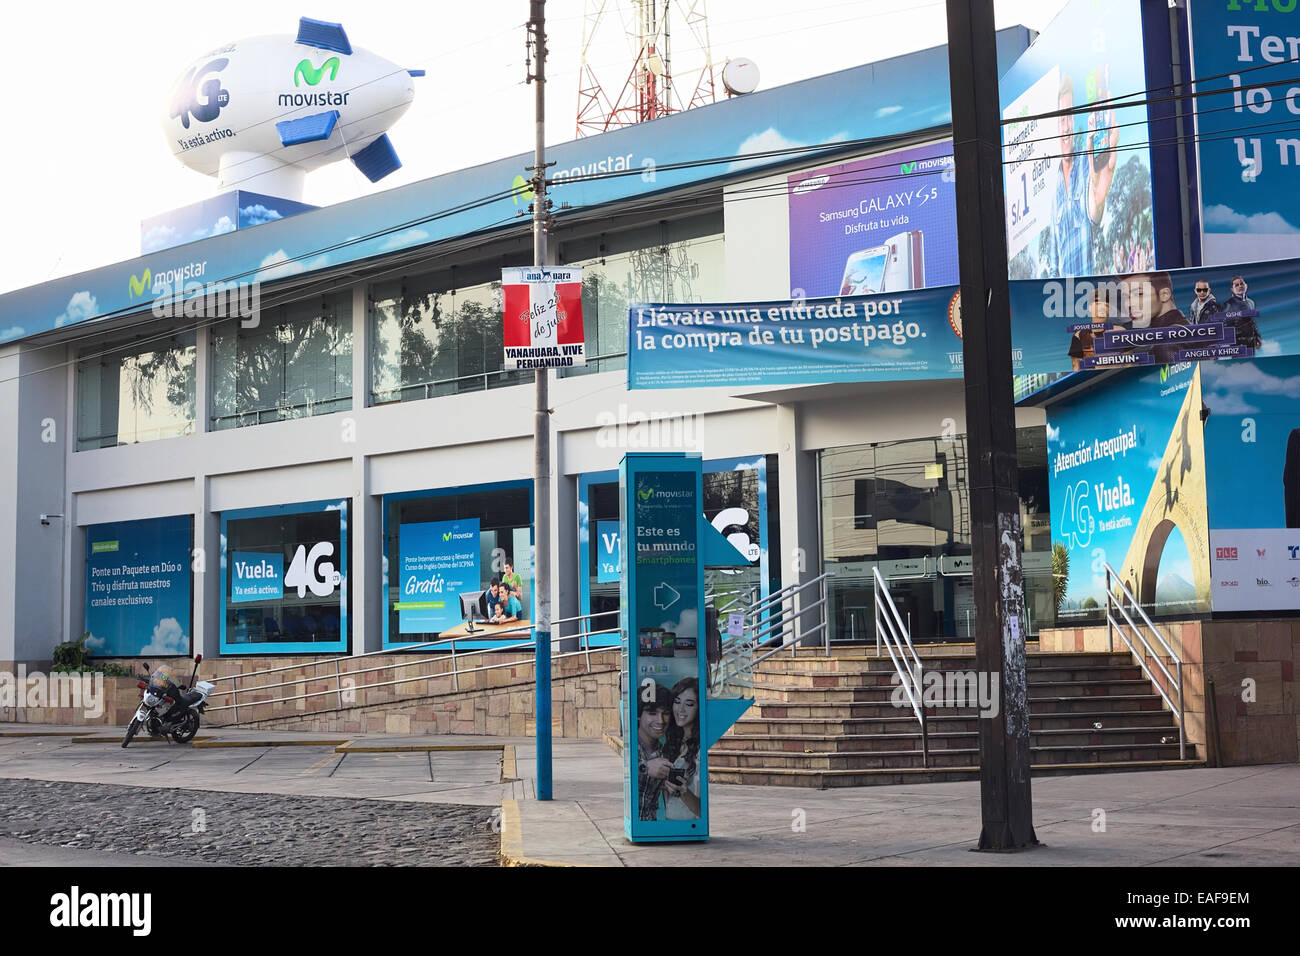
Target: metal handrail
[454,672]
[1113,625]
[896,635]
[410,647]
[403,680]
[789,620]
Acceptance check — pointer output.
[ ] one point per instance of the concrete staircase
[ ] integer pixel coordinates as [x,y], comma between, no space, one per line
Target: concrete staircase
[829,722]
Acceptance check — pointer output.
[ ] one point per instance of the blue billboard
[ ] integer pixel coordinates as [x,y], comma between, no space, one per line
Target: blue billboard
[1126,478]
[138,587]
[437,562]
[1244,53]
[1253,433]
[1078,186]
[883,224]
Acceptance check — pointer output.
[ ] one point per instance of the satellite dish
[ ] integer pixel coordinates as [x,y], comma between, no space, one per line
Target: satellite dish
[740,76]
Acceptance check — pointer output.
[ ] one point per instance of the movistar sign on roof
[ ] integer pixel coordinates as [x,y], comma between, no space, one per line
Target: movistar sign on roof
[894,97]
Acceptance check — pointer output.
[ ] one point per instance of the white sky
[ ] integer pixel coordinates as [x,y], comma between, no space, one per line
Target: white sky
[85,86]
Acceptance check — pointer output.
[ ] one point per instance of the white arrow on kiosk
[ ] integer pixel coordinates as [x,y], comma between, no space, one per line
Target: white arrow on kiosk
[665,596]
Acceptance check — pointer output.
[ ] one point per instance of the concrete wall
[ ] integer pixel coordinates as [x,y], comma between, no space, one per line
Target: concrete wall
[1252,665]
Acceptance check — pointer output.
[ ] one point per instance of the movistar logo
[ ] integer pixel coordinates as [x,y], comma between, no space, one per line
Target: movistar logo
[521,189]
[645,494]
[305,71]
[1164,373]
[906,168]
[140,283]
[446,536]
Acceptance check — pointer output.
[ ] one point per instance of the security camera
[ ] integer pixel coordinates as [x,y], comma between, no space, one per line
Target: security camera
[45,519]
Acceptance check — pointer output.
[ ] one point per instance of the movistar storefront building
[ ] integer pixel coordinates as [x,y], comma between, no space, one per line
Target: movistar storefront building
[287,479]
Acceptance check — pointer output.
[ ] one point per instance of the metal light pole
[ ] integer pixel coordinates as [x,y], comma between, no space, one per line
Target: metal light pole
[541,430]
[1006,805]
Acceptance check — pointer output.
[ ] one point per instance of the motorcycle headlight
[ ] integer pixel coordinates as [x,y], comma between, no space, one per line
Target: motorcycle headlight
[151,699]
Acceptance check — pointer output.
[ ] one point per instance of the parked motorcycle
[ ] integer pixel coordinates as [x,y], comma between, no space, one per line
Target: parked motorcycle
[168,708]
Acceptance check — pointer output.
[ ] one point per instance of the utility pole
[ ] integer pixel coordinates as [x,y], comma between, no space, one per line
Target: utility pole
[1005,801]
[541,428]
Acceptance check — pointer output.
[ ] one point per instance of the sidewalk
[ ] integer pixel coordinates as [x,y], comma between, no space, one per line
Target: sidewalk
[1203,817]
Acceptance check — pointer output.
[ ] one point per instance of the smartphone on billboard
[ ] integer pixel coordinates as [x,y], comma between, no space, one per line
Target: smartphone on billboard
[905,267]
[864,272]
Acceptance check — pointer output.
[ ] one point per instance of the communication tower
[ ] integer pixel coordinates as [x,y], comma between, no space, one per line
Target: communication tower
[648,89]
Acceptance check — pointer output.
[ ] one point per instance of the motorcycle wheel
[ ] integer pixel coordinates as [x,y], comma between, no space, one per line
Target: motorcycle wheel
[131,730]
[188,727]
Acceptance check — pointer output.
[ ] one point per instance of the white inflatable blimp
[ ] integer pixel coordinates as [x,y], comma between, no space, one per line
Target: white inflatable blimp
[259,113]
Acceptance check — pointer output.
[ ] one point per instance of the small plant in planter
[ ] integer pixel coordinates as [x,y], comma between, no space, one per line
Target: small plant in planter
[71,657]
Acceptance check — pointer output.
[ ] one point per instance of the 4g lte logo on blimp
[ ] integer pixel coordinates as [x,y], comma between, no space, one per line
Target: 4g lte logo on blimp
[199,94]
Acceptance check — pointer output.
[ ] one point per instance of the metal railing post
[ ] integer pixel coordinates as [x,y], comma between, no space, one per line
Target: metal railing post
[826,630]
[1110,626]
[455,675]
[925,739]
[234,694]
[1182,717]
[338,682]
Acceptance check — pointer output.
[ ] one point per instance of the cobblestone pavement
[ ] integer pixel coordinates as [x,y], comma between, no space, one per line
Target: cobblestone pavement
[247,829]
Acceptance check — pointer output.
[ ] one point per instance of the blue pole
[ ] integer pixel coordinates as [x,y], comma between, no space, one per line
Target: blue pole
[543,710]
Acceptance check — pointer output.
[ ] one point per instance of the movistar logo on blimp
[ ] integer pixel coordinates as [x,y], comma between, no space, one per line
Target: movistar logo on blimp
[312,74]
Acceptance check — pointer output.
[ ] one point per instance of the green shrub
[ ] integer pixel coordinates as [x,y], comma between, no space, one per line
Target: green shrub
[71,657]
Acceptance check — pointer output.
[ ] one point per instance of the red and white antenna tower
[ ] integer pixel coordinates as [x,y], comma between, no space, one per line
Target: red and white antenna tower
[648,90]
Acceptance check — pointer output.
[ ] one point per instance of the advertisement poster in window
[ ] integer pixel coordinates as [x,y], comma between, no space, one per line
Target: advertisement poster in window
[138,584]
[438,562]
[284,578]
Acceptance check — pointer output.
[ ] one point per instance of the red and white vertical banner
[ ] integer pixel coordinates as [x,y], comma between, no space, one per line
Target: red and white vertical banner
[543,317]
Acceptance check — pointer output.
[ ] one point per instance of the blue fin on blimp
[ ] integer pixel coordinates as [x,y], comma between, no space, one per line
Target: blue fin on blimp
[416,72]
[326,36]
[307,129]
[378,159]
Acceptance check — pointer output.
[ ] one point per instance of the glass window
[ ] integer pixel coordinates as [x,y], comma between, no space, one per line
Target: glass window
[295,363]
[429,338]
[431,559]
[904,507]
[284,579]
[678,261]
[135,393]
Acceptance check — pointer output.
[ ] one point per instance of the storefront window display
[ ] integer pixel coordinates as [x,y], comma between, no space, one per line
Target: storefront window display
[138,587]
[443,550]
[905,507]
[284,579]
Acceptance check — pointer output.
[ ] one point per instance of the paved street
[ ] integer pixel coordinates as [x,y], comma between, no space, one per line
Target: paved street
[243,829]
[285,797]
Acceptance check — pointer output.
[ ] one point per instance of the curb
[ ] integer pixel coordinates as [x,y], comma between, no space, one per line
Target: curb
[512,839]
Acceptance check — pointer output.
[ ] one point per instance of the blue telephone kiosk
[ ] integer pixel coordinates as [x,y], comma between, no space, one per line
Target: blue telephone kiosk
[669,722]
